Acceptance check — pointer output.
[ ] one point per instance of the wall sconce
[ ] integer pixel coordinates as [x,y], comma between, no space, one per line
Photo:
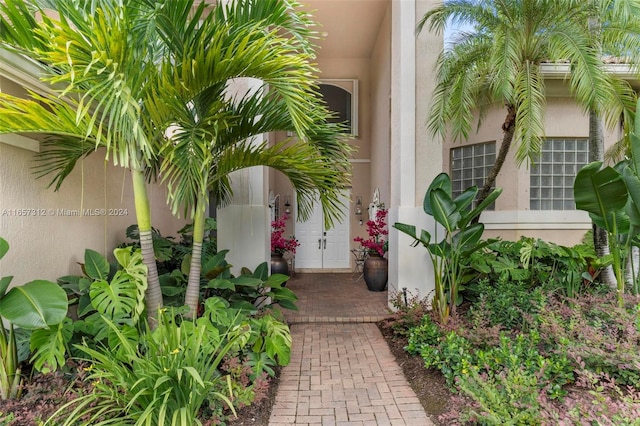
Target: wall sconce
[358,208]
[274,205]
[287,204]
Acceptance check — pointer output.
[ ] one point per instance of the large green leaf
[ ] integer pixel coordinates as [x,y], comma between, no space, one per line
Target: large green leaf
[120,297]
[633,186]
[36,304]
[445,211]
[480,207]
[410,230]
[467,238]
[464,200]
[95,265]
[600,191]
[616,222]
[442,181]
[48,346]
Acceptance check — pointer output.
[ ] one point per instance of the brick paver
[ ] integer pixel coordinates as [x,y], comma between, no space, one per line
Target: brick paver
[342,371]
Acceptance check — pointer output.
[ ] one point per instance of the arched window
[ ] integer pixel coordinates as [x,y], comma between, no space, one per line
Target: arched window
[342,101]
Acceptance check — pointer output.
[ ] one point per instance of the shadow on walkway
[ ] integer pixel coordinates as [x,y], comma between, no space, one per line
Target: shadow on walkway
[333,297]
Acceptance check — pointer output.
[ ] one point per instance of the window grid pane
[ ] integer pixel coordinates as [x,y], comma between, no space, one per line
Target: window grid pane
[552,177]
[470,165]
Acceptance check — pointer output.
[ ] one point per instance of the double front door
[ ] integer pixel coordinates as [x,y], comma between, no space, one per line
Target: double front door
[322,248]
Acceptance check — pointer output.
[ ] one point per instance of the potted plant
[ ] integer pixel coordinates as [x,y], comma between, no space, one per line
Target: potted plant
[376,268]
[280,246]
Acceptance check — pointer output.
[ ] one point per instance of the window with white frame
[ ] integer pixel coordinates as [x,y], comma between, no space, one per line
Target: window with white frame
[341,96]
[552,176]
[470,165]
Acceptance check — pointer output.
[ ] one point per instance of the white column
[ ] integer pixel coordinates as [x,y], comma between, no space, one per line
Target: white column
[411,150]
[243,225]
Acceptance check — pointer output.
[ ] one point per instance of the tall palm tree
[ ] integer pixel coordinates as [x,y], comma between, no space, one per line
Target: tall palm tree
[500,63]
[614,28]
[148,82]
[100,57]
[208,130]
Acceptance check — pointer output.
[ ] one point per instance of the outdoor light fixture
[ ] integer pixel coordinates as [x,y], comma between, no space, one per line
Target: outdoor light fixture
[358,208]
[287,204]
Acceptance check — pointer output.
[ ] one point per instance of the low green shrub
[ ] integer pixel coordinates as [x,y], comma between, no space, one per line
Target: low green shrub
[428,333]
[507,303]
[504,397]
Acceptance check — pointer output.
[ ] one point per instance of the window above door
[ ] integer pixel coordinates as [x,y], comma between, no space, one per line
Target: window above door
[341,96]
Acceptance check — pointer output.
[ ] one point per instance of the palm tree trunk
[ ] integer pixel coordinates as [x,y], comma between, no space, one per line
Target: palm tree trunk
[600,237]
[192,296]
[153,296]
[509,128]
[631,269]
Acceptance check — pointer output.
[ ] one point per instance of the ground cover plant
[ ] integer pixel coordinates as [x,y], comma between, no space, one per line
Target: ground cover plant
[520,351]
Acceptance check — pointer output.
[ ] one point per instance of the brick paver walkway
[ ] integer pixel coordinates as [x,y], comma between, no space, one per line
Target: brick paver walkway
[342,371]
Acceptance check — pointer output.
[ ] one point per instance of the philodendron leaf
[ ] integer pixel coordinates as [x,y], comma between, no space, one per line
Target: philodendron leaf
[95,265]
[37,304]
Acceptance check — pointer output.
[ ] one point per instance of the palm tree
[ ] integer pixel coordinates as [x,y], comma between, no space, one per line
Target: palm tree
[148,83]
[614,28]
[100,57]
[208,131]
[500,63]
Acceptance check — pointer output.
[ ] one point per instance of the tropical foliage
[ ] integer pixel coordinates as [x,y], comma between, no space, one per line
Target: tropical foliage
[152,86]
[461,238]
[39,308]
[522,352]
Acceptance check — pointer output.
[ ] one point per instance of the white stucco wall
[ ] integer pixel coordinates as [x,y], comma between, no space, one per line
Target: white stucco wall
[49,231]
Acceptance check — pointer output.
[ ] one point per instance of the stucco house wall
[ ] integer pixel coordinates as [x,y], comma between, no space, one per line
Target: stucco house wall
[513,217]
[49,231]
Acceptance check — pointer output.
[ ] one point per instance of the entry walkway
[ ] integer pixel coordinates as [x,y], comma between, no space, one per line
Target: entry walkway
[341,371]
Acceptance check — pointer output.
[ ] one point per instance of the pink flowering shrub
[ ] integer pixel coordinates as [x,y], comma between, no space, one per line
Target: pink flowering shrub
[377,230]
[279,244]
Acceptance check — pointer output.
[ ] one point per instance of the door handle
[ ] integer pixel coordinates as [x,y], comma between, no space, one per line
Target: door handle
[319,244]
[325,243]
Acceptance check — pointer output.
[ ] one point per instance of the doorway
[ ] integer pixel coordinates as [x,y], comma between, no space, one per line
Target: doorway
[320,248]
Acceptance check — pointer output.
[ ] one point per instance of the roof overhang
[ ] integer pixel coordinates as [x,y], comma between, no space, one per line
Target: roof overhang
[562,71]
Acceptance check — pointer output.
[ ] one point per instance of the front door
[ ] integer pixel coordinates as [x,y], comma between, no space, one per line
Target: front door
[322,248]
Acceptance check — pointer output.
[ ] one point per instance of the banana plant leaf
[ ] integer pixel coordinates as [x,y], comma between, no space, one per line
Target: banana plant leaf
[601,192]
[468,238]
[36,304]
[442,181]
[445,211]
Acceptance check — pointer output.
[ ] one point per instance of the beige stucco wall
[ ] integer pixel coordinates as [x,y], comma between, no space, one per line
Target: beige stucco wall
[47,230]
[380,106]
[513,217]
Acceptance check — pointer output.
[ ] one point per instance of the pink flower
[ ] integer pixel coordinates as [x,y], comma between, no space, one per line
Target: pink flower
[279,244]
[377,229]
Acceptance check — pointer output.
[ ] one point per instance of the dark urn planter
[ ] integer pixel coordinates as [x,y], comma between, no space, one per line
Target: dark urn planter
[279,264]
[376,272]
